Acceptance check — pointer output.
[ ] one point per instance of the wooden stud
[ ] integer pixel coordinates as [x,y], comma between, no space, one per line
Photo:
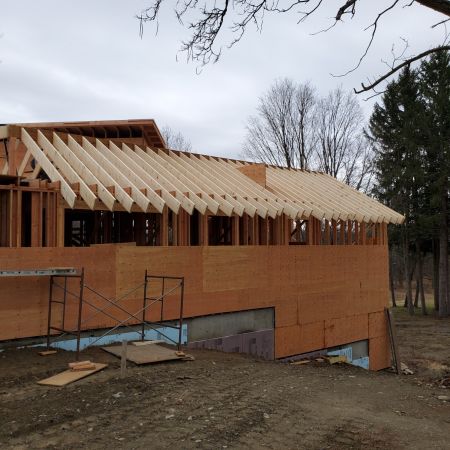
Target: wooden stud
[327,233]
[165,227]
[334,231]
[342,232]
[60,221]
[349,232]
[235,230]
[363,234]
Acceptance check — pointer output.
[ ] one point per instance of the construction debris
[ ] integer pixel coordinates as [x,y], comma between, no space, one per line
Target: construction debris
[336,359]
[146,354]
[47,352]
[69,376]
[301,362]
[405,369]
[83,365]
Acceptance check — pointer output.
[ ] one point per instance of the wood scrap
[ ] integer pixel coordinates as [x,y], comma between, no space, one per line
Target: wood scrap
[69,376]
[89,366]
[336,359]
[47,352]
[78,363]
[301,362]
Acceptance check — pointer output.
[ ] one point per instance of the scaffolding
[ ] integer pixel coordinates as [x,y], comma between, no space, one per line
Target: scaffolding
[56,275]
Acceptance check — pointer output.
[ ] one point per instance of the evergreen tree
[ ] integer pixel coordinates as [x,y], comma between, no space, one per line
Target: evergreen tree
[435,88]
[396,127]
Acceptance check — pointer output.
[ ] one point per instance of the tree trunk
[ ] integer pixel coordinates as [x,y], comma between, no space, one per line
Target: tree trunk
[391,281]
[443,257]
[406,258]
[420,280]
[408,280]
[436,273]
[416,297]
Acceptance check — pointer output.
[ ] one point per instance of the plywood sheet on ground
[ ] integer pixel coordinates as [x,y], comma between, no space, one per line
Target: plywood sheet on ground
[144,354]
[69,376]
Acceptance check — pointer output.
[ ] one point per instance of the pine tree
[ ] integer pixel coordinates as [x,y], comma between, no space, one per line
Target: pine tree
[435,89]
[396,128]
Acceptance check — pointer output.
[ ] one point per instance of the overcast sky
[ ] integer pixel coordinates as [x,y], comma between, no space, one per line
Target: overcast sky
[84,60]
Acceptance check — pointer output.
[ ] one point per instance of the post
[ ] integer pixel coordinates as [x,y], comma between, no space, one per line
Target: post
[181,314]
[123,359]
[50,300]
[80,310]
[144,305]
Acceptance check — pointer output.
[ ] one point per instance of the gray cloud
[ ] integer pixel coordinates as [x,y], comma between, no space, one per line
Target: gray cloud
[84,60]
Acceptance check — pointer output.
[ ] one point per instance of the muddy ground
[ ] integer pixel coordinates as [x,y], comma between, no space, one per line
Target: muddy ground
[229,401]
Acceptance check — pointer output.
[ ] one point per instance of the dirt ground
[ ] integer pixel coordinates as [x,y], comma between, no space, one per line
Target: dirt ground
[228,401]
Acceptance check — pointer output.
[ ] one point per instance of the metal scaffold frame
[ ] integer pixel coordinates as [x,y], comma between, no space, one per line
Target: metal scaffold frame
[139,316]
[55,274]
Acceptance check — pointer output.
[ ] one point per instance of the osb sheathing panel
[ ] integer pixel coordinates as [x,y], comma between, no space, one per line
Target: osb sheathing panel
[379,353]
[378,324]
[318,291]
[24,300]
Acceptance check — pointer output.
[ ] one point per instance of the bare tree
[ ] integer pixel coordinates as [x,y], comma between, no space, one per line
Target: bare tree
[175,140]
[342,150]
[282,133]
[207,20]
[295,128]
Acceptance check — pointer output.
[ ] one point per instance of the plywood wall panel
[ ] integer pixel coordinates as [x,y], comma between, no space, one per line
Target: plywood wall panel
[322,295]
[312,336]
[346,329]
[287,341]
[377,324]
[379,353]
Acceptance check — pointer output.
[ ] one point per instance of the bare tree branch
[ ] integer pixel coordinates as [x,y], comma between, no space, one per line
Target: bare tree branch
[175,140]
[211,18]
[407,62]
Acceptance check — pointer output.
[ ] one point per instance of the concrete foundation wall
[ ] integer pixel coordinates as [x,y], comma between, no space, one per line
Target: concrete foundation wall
[219,325]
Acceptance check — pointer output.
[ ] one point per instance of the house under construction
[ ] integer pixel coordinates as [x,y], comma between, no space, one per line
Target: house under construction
[260,247]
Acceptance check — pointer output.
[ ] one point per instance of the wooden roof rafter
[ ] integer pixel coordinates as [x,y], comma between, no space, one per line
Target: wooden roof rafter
[170,166]
[258,192]
[54,175]
[254,193]
[228,205]
[67,170]
[83,171]
[250,207]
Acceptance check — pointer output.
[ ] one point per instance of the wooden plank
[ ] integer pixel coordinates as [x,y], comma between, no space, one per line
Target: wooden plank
[235,230]
[83,171]
[66,169]
[134,173]
[363,234]
[24,163]
[66,191]
[90,158]
[165,227]
[36,219]
[342,232]
[144,354]
[69,376]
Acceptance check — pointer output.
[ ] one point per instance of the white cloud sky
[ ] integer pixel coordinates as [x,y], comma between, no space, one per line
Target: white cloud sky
[84,60]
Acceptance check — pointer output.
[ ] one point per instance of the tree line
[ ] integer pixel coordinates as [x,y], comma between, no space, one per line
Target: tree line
[402,157]
[295,127]
[410,131]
